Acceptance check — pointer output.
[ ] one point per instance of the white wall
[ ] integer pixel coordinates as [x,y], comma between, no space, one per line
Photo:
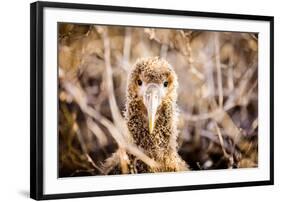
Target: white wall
[14,100]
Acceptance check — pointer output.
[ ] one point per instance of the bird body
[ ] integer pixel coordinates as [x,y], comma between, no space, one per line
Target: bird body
[151,114]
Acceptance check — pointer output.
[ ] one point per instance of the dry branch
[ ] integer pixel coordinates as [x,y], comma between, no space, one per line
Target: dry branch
[80,98]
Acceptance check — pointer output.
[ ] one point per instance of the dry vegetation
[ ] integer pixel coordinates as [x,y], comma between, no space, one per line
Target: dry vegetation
[218,98]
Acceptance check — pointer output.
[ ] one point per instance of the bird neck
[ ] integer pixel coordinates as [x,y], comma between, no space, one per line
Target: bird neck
[164,135]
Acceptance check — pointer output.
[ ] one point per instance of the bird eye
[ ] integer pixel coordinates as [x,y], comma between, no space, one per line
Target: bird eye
[139,82]
[165,83]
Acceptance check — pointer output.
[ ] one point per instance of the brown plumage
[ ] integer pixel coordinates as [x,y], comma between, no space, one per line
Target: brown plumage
[151,113]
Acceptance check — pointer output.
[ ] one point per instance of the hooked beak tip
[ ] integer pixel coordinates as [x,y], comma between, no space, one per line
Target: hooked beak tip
[152,100]
[151,126]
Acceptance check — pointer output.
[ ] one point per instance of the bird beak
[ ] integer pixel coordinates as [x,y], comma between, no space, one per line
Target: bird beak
[152,98]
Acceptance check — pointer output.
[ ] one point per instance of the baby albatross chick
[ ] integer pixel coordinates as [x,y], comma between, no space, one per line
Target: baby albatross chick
[151,114]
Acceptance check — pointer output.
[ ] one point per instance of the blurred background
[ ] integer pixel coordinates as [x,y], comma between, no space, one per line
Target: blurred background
[218,100]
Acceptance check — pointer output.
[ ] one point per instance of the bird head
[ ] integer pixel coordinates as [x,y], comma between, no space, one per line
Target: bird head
[152,81]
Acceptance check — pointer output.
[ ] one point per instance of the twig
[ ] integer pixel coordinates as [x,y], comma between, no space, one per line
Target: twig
[221,141]
[218,67]
[163,50]
[230,81]
[111,162]
[117,117]
[127,48]
[95,129]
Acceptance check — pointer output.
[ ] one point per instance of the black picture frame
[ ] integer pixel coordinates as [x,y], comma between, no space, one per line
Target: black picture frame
[36,98]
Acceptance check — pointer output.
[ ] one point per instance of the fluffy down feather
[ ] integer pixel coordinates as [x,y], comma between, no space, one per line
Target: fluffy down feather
[161,144]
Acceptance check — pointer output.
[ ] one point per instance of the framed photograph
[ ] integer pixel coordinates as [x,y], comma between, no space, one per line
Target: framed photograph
[136,100]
